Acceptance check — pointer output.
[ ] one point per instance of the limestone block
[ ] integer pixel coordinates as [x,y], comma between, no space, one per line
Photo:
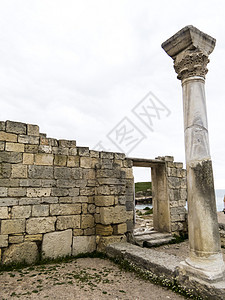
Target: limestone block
[65,209]
[12,226]
[77,232]
[104,200]
[83,244]
[89,174]
[19,171]
[103,241]
[28,139]
[2,146]
[60,160]
[109,155]
[2,125]
[17,192]
[87,221]
[60,192]
[73,161]
[94,154]
[33,238]
[66,222]
[63,173]
[57,244]
[91,208]
[67,200]
[128,172]
[74,192]
[31,148]
[83,151]
[43,159]
[19,212]
[31,182]
[42,172]
[72,151]
[119,156]
[8,201]
[84,208]
[81,199]
[49,200]
[16,147]
[118,162]
[28,201]
[3,240]
[3,192]
[40,225]
[8,137]
[89,231]
[48,183]
[5,170]
[97,218]
[128,163]
[4,213]
[33,130]
[16,239]
[104,229]
[120,228]
[40,210]
[178,165]
[67,143]
[87,191]
[111,181]
[11,157]
[28,158]
[113,215]
[91,182]
[107,163]
[38,192]
[67,183]
[60,150]
[45,149]
[169,158]
[86,162]
[25,252]
[16,127]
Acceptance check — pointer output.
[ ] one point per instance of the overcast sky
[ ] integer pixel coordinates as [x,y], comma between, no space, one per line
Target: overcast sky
[81,70]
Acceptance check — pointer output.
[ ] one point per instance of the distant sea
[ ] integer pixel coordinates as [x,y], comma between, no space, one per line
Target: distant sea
[219,201]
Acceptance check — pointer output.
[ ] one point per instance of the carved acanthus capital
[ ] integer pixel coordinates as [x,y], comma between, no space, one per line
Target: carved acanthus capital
[191,63]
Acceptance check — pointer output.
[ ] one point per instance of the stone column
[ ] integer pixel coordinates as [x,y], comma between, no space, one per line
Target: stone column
[190,49]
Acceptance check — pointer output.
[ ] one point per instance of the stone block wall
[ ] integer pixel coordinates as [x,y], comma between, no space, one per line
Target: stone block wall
[58,199]
[177,192]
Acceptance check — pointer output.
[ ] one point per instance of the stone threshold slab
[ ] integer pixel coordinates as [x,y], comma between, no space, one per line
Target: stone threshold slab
[165,265]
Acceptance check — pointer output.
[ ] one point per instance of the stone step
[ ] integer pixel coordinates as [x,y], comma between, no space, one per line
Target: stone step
[158,242]
[152,239]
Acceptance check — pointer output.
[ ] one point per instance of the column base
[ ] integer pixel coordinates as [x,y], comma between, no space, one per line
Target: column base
[211,269]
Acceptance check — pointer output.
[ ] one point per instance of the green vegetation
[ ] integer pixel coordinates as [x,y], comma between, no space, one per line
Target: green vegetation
[143,186]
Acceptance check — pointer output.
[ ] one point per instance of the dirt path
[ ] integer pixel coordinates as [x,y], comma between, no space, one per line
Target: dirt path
[84,278]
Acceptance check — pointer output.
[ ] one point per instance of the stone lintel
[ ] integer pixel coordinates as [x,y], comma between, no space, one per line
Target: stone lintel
[189,38]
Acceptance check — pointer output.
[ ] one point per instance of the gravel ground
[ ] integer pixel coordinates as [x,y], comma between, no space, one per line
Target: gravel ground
[83,278]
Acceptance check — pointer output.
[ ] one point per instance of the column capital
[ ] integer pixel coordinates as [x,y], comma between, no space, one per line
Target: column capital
[190,48]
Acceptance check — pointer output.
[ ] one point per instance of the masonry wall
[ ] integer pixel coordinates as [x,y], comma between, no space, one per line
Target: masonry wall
[58,199]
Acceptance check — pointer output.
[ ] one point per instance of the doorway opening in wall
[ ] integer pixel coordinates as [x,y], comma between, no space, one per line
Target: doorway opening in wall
[143,198]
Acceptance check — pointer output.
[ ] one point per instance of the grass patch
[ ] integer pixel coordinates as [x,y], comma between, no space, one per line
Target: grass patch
[143,186]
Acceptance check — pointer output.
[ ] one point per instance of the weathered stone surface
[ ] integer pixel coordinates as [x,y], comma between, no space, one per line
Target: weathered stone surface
[32,129]
[16,239]
[73,161]
[12,226]
[40,210]
[3,192]
[28,139]
[66,222]
[83,244]
[77,232]
[19,212]
[28,158]
[113,215]
[40,225]
[60,160]
[67,143]
[38,192]
[2,125]
[86,162]
[16,147]
[57,244]
[4,213]
[104,241]
[8,201]
[104,229]
[8,137]
[19,171]
[17,192]
[49,200]
[104,200]
[33,238]
[120,228]
[44,149]
[10,157]
[83,151]
[42,172]
[16,127]
[65,183]
[43,159]
[30,182]
[87,221]
[65,209]
[31,148]
[3,240]
[5,170]
[2,146]
[28,201]
[25,252]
